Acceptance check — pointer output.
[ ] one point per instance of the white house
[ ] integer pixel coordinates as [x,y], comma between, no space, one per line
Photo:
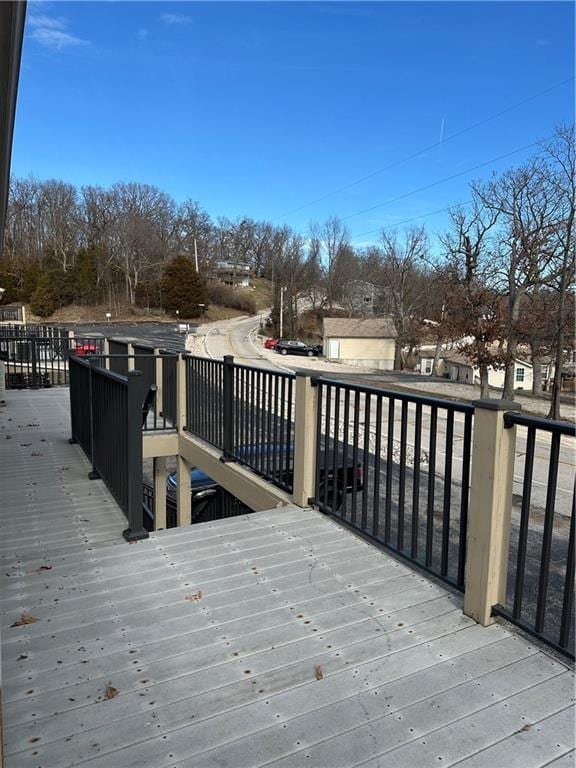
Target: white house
[457,367]
[366,343]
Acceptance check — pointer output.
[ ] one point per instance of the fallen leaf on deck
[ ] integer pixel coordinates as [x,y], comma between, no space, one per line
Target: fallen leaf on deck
[26,618]
[25,445]
[194,596]
[526,727]
[111,692]
[22,657]
[318,672]
[41,568]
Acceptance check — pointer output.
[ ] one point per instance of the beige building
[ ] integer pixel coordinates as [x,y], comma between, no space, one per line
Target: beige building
[366,343]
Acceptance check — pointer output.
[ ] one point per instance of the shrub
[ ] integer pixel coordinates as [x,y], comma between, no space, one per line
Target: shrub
[226,296]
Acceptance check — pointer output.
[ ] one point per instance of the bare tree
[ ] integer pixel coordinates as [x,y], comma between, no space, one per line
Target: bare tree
[526,209]
[401,279]
[472,308]
[560,157]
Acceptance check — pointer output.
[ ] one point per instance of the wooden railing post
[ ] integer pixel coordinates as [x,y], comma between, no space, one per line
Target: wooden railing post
[159,471]
[305,416]
[131,360]
[135,511]
[491,486]
[180,393]
[159,362]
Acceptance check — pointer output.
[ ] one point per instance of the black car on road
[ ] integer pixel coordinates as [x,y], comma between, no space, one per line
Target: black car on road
[289,347]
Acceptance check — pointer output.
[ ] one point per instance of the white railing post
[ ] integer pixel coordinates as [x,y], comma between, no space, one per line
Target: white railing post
[305,417]
[131,361]
[491,486]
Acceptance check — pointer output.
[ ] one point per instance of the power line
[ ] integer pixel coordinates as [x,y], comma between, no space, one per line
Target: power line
[429,147]
[447,178]
[413,218]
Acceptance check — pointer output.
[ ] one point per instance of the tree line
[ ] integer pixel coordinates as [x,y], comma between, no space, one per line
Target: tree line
[500,275]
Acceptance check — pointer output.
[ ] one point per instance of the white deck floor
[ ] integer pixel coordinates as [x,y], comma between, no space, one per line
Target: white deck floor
[276,639]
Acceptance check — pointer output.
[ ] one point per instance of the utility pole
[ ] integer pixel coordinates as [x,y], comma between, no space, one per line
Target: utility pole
[282,289]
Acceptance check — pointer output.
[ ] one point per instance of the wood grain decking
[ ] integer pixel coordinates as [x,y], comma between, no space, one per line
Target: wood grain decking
[276,639]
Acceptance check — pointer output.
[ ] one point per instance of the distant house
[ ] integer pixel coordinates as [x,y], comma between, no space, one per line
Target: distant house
[360,297]
[233,273]
[367,343]
[458,367]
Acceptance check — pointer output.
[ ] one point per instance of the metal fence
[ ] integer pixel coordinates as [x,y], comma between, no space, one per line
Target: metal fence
[118,351]
[37,356]
[42,331]
[396,467]
[540,594]
[263,422]
[11,314]
[246,412]
[106,420]
[205,399]
[168,408]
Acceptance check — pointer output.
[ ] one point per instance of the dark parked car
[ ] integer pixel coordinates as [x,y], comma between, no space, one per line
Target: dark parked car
[288,347]
[212,502]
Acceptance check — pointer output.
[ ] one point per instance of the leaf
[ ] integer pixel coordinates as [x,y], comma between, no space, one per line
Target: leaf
[22,657]
[318,672]
[527,727]
[111,692]
[26,618]
[41,568]
[195,596]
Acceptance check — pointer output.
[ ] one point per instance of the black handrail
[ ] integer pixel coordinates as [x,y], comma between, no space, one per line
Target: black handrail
[540,594]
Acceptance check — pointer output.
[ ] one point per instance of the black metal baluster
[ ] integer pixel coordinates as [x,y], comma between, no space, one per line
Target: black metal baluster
[524,523]
[568,600]
[377,468]
[389,472]
[366,461]
[416,483]
[446,509]
[548,531]
[431,485]
[402,479]
[345,468]
[355,440]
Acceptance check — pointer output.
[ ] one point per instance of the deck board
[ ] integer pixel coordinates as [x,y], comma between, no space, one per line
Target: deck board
[307,646]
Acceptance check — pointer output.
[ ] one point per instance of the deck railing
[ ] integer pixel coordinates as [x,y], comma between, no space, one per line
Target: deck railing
[540,593]
[430,479]
[246,412]
[106,420]
[396,467]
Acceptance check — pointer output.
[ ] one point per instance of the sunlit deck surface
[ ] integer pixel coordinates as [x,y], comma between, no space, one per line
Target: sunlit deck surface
[277,638]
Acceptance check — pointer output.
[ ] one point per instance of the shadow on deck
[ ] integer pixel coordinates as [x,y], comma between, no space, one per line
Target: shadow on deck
[277,638]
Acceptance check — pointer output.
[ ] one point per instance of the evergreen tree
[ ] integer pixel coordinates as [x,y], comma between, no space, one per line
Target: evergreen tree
[182,288]
[43,300]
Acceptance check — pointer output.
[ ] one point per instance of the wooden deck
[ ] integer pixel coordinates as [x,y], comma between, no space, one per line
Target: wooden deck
[276,639]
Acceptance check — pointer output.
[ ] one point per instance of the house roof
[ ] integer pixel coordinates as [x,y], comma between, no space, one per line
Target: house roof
[458,358]
[370,328]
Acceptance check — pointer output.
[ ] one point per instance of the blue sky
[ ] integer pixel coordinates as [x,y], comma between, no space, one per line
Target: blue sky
[257,109]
